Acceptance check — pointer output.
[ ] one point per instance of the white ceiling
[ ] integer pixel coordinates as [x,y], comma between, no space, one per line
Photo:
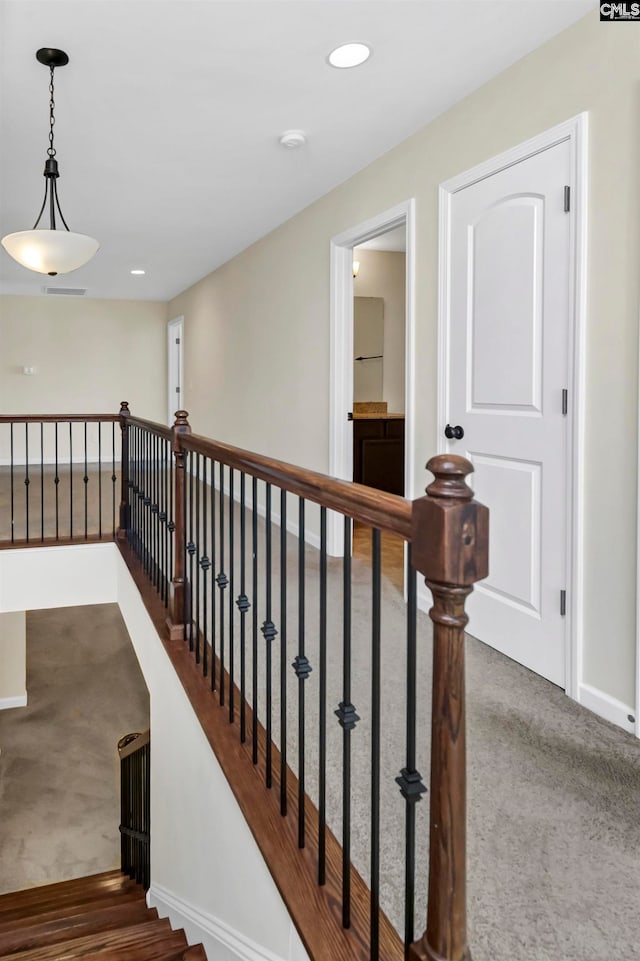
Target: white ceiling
[169,113]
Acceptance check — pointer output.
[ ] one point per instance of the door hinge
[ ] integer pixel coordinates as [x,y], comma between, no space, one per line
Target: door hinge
[177,390]
[349,415]
[567,199]
[563,603]
[177,340]
[565,401]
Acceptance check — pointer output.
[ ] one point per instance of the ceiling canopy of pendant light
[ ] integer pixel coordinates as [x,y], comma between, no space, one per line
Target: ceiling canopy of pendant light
[50,250]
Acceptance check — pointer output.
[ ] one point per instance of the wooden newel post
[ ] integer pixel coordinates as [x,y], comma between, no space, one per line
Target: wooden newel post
[450,548]
[176,620]
[124,516]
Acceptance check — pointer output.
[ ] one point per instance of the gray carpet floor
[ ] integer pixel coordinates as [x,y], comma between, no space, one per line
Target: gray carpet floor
[554,792]
[59,768]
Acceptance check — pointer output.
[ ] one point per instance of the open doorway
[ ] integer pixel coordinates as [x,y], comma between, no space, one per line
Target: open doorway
[378,410]
[371,437]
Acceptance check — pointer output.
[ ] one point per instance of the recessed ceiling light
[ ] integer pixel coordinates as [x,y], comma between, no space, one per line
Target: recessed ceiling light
[349,55]
[137,272]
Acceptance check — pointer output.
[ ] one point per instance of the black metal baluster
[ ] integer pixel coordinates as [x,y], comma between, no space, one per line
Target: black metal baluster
[26,477]
[374,919]
[151,512]
[191,549]
[322,712]
[156,511]
[197,559]
[85,480]
[165,523]
[410,782]
[141,511]
[161,516]
[221,581]
[243,607]
[56,481]
[148,538]
[269,633]
[347,718]
[100,479]
[213,577]
[114,478]
[184,548]
[171,524]
[283,652]
[133,485]
[254,572]
[41,481]
[303,669]
[70,480]
[231,597]
[11,478]
[205,564]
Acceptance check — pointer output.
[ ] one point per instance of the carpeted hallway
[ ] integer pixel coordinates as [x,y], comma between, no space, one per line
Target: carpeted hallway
[59,768]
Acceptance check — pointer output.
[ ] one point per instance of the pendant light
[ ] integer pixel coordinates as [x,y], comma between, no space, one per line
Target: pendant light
[50,250]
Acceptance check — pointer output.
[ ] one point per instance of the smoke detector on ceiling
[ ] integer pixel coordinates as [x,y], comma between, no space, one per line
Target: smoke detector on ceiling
[292,139]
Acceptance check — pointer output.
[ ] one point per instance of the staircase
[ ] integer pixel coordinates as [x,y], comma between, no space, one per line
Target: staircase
[100,917]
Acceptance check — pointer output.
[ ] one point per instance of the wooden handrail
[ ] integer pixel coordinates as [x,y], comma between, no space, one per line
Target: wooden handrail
[59,418]
[132,743]
[152,426]
[448,532]
[387,512]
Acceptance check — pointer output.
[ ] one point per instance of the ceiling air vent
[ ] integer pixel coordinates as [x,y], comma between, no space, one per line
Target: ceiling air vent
[66,291]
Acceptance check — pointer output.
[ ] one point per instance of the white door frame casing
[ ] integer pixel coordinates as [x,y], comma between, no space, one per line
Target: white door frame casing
[575,131]
[341,350]
[174,326]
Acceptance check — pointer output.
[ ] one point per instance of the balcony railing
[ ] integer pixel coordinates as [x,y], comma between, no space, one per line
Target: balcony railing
[290,644]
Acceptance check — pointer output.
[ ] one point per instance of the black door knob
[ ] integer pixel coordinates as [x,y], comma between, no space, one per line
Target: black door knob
[451,432]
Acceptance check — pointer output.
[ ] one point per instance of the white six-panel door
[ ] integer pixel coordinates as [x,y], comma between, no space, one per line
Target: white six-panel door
[507,358]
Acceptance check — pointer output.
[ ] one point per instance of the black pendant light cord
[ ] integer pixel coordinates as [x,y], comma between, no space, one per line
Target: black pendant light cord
[51,172]
[52,105]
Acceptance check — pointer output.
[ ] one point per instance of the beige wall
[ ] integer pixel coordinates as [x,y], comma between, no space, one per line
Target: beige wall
[13,655]
[88,354]
[257,329]
[382,274]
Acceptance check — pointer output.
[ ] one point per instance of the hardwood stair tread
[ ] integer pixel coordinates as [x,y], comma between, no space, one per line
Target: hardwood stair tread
[137,937]
[33,898]
[194,952]
[16,936]
[60,907]
[101,918]
[103,880]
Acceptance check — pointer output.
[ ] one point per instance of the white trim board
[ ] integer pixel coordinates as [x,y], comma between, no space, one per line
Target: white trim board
[218,938]
[574,130]
[610,708]
[341,349]
[174,326]
[18,700]
[637,673]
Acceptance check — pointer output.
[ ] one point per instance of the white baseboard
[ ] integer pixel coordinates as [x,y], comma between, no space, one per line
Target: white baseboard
[218,938]
[20,700]
[610,708]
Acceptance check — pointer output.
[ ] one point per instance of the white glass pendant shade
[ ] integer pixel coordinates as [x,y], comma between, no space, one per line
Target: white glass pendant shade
[50,251]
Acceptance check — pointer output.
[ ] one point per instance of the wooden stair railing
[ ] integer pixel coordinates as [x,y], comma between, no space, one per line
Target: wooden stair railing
[178,532]
[135,808]
[447,533]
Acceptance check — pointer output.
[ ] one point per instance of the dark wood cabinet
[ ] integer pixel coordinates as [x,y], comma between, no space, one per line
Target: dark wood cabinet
[378,453]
